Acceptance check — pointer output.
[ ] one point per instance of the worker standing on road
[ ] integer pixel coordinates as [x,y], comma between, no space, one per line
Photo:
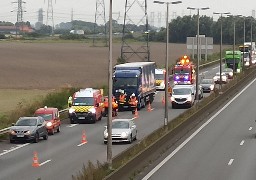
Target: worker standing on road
[133,102]
[114,106]
[122,99]
[69,101]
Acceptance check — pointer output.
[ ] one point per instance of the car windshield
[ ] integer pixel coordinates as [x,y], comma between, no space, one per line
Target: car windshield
[26,122]
[181,91]
[120,125]
[159,76]
[46,117]
[207,81]
[83,101]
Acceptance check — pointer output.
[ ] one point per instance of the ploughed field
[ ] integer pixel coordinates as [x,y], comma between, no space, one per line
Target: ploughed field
[48,66]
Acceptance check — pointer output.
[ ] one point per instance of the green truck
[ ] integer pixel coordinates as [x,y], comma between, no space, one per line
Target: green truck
[234,61]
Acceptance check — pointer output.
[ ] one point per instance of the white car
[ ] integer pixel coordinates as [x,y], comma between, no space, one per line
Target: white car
[224,77]
[123,130]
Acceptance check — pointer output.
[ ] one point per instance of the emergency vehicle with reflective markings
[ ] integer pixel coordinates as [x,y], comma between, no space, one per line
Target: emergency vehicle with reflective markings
[86,106]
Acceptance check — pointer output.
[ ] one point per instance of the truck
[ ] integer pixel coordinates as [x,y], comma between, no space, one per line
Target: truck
[137,78]
[86,106]
[184,71]
[252,49]
[233,61]
[246,55]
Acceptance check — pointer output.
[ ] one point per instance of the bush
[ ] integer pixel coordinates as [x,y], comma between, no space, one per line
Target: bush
[2,36]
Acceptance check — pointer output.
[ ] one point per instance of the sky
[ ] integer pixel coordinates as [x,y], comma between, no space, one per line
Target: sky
[85,10]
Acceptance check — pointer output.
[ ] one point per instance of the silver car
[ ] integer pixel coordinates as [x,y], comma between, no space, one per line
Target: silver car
[208,85]
[123,130]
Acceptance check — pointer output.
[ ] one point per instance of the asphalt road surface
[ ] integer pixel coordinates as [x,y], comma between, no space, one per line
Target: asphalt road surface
[62,155]
[223,148]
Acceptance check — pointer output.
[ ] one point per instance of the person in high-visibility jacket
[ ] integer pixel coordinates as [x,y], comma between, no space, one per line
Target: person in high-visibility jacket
[114,106]
[133,102]
[122,100]
[69,101]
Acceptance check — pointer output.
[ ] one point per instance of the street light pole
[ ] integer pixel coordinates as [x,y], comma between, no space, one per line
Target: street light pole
[167,56]
[234,40]
[109,124]
[198,56]
[220,87]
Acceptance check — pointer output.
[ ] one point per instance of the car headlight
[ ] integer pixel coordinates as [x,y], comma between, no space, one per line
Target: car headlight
[189,98]
[230,73]
[27,133]
[238,70]
[212,87]
[71,110]
[172,98]
[12,132]
[48,124]
[124,134]
[92,110]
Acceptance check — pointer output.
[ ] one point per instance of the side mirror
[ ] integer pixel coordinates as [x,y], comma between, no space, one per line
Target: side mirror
[14,123]
[192,93]
[39,125]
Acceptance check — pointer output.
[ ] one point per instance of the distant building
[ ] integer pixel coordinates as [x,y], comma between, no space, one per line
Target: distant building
[77,32]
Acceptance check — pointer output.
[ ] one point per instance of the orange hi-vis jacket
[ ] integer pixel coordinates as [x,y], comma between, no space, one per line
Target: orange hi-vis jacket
[133,101]
[122,98]
[114,104]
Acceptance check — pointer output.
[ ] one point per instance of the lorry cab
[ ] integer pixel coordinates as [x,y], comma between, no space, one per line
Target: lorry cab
[86,106]
[52,118]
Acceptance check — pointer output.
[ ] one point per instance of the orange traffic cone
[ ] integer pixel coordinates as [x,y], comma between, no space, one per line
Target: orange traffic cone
[84,141]
[149,107]
[136,114]
[163,101]
[35,160]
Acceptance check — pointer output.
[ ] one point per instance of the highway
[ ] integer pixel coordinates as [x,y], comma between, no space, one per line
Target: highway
[222,148]
[62,155]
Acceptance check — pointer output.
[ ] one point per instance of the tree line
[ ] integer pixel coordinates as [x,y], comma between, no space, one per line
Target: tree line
[186,26]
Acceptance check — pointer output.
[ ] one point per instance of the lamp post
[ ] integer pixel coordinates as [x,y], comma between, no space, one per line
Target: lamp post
[221,13]
[234,40]
[167,56]
[109,124]
[197,46]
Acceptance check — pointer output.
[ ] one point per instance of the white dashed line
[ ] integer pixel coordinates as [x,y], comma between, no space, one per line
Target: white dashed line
[45,162]
[230,161]
[81,144]
[250,128]
[13,149]
[242,143]
[72,125]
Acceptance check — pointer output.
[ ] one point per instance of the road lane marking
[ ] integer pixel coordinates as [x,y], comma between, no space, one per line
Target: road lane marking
[49,160]
[242,143]
[157,167]
[72,125]
[13,149]
[81,144]
[230,161]
[250,128]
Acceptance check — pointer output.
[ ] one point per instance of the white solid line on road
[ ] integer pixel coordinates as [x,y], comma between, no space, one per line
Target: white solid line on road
[242,143]
[81,144]
[13,149]
[157,167]
[250,128]
[49,160]
[72,125]
[230,161]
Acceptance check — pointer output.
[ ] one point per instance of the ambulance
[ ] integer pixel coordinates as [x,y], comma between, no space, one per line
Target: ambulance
[86,106]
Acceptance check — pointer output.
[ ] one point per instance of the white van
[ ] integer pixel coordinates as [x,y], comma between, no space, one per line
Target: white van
[183,95]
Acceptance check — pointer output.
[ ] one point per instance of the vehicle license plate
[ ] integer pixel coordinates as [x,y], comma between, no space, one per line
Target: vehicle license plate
[81,117]
[20,135]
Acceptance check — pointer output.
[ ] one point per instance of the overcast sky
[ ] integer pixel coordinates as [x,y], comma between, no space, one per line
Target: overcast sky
[85,9]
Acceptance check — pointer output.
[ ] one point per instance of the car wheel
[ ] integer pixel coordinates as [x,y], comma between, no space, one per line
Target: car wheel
[36,140]
[105,142]
[58,130]
[130,140]
[45,136]
[12,141]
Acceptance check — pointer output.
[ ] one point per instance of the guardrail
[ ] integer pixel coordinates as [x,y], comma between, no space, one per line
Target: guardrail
[6,130]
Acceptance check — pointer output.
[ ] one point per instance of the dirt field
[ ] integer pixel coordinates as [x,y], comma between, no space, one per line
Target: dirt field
[31,67]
